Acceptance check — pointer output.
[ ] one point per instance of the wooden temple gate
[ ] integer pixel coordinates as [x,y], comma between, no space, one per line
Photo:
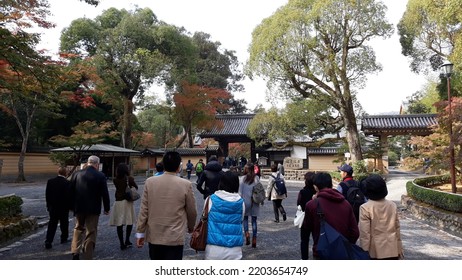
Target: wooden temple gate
[382,126]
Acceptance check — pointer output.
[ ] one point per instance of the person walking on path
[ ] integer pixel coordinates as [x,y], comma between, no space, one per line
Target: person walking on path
[123,212]
[88,190]
[306,194]
[252,209]
[211,177]
[199,169]
[379,228]
[226,211]
[337,212]
[167,212]
[189,168]
[355,199]
[274,196]
[57,196]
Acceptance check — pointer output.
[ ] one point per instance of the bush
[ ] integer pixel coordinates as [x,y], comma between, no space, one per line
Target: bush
[447,201]
[10,206]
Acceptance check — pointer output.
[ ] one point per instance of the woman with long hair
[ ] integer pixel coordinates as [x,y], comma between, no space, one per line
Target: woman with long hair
[247,182]
[123,212]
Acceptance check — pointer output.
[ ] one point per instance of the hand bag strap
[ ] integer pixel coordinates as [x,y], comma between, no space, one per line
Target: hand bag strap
[205,212]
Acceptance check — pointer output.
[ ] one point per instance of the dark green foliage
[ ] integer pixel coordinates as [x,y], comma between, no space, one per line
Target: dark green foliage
[10,206]
[418,189]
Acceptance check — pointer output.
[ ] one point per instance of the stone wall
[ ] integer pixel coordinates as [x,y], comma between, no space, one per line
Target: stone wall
[17,229]
[448,221]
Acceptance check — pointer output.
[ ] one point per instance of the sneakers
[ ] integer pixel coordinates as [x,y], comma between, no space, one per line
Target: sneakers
[75,256]
[48,245]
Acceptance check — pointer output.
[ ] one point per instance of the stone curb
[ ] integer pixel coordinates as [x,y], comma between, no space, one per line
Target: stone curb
[445,220]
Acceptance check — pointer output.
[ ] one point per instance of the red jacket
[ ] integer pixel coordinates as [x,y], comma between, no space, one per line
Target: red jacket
[337,212]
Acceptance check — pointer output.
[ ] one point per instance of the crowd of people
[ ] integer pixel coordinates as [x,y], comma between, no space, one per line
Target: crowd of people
[358,210]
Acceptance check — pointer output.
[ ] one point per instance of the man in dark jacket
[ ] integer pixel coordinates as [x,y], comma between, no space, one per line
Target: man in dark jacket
[211,177]
[337,211]
[57,195]
[88,189]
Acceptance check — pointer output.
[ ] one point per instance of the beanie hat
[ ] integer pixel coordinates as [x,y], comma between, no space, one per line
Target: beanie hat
[374,187]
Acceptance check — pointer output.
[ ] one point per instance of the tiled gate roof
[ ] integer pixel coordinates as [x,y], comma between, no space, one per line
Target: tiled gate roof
[230,126]
[418,124]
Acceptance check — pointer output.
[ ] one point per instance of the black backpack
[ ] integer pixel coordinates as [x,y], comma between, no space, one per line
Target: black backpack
[354,195]
[279,185]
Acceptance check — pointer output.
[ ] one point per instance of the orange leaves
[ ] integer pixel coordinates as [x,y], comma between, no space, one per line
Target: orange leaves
[206,99]
[22,14]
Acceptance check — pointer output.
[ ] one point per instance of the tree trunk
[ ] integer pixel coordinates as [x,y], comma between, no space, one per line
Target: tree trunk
[352,134]
[127,124]
[352,137]
[22,154]
[190,138]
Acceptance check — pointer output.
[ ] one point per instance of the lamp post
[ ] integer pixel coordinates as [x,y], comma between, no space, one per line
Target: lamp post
[447,71]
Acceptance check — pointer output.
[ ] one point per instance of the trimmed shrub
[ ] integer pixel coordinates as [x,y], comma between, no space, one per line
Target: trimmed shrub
[10,206]
[418,190]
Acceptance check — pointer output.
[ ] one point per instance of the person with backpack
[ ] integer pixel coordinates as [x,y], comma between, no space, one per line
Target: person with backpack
[246,187]
[379,228]
[189,168]
[275,195]
[199,169]
[336,211]
[350,189]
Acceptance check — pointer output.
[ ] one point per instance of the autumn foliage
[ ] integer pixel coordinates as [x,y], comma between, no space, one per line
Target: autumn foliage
[197,105]
[436,146]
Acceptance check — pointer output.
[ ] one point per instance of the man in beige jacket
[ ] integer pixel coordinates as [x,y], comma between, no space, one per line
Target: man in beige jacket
[167,212]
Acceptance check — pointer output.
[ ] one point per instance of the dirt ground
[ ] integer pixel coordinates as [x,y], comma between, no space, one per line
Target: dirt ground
[448,188]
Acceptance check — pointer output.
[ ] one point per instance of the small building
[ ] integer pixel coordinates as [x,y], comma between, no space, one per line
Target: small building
[110,156]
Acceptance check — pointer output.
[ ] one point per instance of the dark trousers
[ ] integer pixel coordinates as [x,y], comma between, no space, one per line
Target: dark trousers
[304,243]
[277,207]
[164,252]
[63,218]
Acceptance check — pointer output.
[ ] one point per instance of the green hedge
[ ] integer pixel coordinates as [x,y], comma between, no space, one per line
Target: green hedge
[10,206]
[444,200]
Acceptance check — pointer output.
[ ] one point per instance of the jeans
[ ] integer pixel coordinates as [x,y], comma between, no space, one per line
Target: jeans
[245,222]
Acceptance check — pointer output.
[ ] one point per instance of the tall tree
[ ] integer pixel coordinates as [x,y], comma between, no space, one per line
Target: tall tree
[318,49]
[196,106]
[430,33]
[132,50]
[27,78]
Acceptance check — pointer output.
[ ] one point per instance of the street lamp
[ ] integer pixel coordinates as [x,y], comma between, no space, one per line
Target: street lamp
[447,72]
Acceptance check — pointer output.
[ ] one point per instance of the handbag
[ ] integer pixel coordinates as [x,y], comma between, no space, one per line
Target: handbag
[299,217]
[131,194]
[199,235]
[332,245]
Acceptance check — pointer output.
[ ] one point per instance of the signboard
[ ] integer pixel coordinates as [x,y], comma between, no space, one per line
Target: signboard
[293,163]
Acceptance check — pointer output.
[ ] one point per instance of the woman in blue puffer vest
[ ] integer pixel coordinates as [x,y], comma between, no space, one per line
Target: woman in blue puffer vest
[226,211]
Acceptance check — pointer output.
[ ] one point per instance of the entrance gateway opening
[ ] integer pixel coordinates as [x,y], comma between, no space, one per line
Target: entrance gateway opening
[233,129]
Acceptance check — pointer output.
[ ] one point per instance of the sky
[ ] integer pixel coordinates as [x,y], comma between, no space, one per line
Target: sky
[231,23]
